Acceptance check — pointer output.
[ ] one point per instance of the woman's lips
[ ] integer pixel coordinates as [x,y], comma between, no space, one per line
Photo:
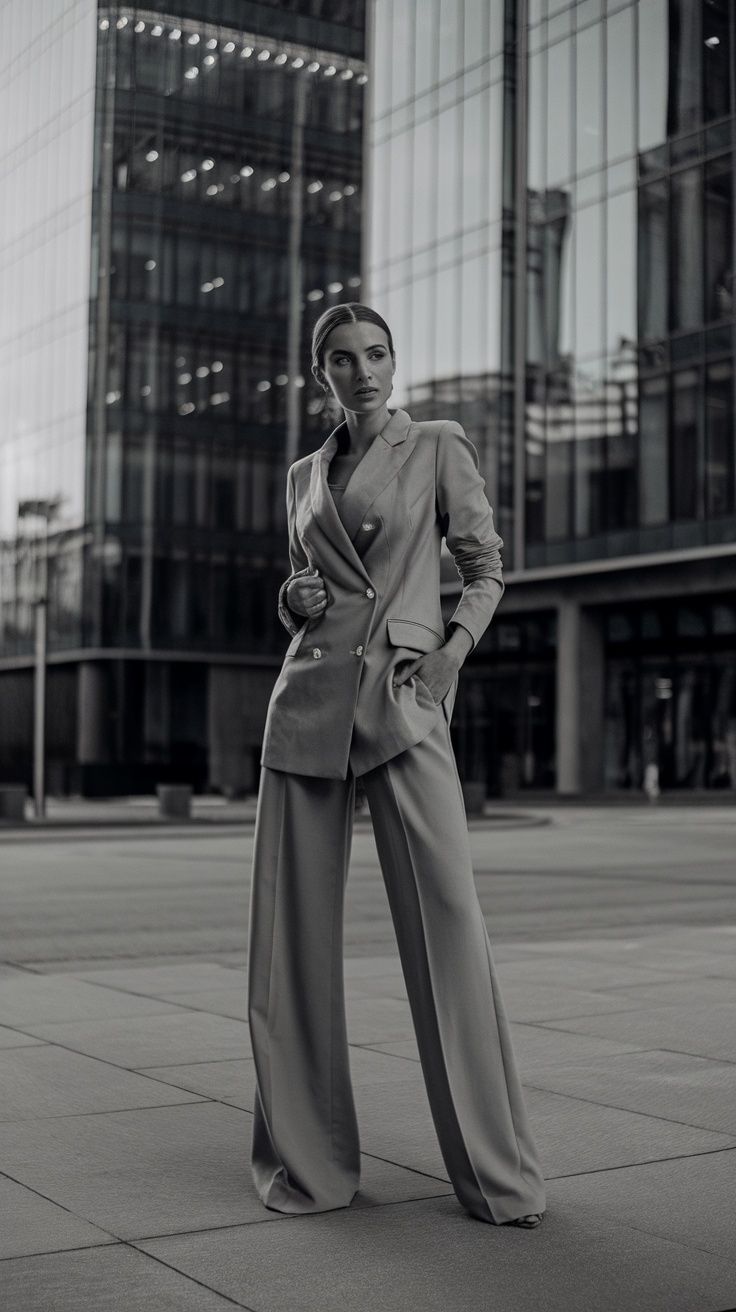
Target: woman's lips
[366,391]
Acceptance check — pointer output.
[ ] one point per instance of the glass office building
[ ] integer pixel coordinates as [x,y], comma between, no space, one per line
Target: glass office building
[553,238]
[184,197]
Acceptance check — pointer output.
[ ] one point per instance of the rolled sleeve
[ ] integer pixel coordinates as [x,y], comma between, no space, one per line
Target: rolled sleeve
[467,524]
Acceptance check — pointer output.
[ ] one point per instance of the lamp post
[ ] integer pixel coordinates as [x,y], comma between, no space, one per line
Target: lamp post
[45,510]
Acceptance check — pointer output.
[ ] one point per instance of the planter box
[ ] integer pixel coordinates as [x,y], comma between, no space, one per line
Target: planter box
[13,801]
[175,801]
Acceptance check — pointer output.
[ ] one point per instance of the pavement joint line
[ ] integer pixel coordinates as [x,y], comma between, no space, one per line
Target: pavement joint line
[105,1061]
[649,1161]
[194,1100]
[61,1252]
[62,1207]
[185,1275]
[632,1111]
[679,1052]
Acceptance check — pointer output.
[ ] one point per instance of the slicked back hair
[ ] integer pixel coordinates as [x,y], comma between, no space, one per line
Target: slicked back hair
[352,312]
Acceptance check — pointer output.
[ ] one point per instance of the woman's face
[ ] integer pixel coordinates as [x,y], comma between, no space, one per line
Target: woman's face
[359,367]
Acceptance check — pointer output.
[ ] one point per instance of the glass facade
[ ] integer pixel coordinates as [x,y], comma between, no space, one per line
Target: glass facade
[203,181]
[630,318]
[47,99]
[439,236]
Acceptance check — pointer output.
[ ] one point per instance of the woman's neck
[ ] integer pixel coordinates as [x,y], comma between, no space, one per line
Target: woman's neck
[363,428]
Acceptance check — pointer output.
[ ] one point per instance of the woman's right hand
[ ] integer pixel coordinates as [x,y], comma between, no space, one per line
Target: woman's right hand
[306,595]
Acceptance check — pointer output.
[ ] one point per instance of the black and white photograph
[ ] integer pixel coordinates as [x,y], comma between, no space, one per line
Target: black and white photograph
[368,656]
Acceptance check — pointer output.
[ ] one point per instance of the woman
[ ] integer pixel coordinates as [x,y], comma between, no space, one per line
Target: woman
[367,689]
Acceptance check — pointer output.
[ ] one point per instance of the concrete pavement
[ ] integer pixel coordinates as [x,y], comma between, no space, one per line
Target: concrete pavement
[126,1082]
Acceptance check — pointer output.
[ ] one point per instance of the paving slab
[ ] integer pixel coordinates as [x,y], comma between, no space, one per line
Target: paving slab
[575,1136]
[671,1085]
[702,992]
[538,1047]
[232,1001]
[32,1224]
[157,980]
[179,1036]
[529,1000]
[580,973]
[15,1039]
[111,1279]
[378,1020]
[231,1082]
[703,1031]
[45,999]
[691,1200]
[396,1124]
[44,1080]
[144,1172]
[430,1256]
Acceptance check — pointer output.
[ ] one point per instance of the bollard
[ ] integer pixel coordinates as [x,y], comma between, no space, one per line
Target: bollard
[474,796]
[175,801]
[13,801]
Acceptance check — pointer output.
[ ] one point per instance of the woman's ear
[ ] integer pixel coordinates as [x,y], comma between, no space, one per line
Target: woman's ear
[319,375]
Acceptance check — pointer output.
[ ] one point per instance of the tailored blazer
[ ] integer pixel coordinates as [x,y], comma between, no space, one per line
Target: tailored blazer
[334,706]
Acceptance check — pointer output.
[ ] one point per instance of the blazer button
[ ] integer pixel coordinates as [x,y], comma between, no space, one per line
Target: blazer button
[367,527]
[358,651]
[370,593]
[316,652]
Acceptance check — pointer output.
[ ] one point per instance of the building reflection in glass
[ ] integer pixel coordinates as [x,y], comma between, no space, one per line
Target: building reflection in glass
[630,418]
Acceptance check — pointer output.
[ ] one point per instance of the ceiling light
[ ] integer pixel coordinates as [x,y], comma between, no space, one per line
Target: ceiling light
[157,30]
[151,156]
[281,380]
[206,287]
[313,67]
[264,386]
[209,60]
[174,34]
[246,52]
[334,287]
[713,41]
[189,176]
[234,177]
[203,371]
[180,361]
[314,187]
[281,59]
[315,295]
[187,408]
[362,79]
[139,27]
[246,171]
[229,47]
[335,195]
[354,282]
[268,185]
[191,73]
[208,164]
[349,190]
[104,24]
[331,71]
[217,366]
[264,54]
[218,282]
[121,23]
[346,74]
[212,189]
[193,40]
[284,177]
[184,379]
[298,381]
[297,63]
[145,391]
[149,265]
[212,44]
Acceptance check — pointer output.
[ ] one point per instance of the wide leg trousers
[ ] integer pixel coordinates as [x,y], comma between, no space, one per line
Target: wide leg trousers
[306,1155]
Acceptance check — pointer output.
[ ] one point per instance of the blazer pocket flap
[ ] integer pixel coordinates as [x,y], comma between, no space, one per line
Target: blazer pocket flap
[411,633]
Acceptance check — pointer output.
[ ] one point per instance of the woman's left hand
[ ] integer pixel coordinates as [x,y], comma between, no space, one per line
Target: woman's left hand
[438,669]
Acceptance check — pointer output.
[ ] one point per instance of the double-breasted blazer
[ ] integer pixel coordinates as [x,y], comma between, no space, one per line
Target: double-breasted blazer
[334,706]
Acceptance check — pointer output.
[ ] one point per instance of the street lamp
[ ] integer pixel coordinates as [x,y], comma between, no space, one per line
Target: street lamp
[45,510]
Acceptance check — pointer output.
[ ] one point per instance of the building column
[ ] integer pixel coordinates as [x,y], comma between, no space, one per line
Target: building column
[92,713]
[580,699]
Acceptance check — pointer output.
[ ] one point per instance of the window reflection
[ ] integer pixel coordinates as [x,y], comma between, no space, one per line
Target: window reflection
[719,459]
[686,265]
[719,238]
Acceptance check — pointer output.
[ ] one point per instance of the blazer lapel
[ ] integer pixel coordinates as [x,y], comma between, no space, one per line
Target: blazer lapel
[380,464]
[323,505]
